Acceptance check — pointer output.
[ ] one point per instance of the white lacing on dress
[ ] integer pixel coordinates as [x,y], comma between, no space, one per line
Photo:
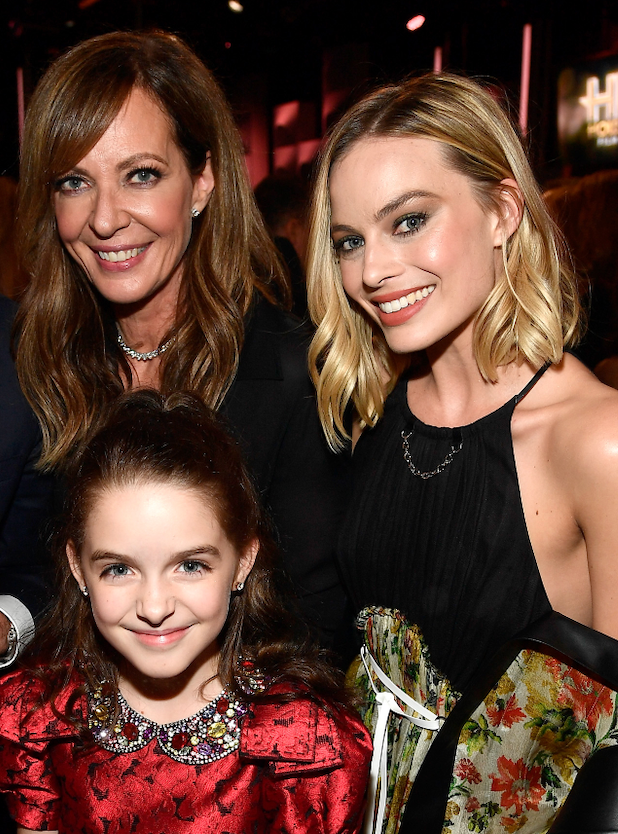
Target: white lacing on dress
[385,704]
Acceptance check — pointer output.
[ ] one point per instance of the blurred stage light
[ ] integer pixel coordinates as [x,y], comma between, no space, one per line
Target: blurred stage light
[415,22]
[235,6]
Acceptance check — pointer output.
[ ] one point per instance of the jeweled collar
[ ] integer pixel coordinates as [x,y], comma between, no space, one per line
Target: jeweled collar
[209,735]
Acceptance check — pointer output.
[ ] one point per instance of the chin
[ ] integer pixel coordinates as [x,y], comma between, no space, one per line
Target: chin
[402,345]
[118,296]
[160,672]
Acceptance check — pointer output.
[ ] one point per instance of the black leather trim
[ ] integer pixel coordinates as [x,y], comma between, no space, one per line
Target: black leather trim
[591,652]
[579,645]
[592,805]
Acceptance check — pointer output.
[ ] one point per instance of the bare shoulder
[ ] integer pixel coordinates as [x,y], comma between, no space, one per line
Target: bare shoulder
[579,413]
[567,453]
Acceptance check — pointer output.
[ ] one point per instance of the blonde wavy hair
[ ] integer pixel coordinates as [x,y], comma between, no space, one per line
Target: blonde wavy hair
[533,311]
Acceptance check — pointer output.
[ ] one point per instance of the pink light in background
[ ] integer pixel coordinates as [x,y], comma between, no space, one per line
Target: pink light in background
[437,59]
[285,158]
[286,114]
[20,104]
[331,101]
[524,90]
[415,22]
[292,157]
[308,150]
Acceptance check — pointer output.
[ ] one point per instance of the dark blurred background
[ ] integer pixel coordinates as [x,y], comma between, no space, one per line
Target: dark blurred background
[289,68]
[314,55]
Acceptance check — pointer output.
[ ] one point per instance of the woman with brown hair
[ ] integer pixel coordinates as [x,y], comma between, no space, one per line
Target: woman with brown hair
[149,266]
[480,544]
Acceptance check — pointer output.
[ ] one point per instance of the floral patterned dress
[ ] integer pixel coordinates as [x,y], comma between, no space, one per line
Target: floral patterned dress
[435,552]
[509,748]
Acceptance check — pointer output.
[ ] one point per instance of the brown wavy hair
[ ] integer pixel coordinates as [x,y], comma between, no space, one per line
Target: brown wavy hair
[68,361]
[150,438]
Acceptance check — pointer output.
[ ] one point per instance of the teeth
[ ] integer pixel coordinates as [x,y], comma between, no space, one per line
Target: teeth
[123,255]
[406,300]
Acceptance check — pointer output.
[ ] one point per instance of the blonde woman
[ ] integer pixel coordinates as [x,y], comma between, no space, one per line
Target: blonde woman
[480,544]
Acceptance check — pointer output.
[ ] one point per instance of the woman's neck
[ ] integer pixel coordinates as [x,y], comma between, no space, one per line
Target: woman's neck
[452,390]
[146,323]
[144,327]
[144,330]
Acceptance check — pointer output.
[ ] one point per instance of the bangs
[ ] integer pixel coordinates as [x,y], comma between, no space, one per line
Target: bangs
[79,117]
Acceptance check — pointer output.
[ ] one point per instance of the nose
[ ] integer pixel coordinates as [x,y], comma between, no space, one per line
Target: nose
[379,263]
[109,214]
[155,603]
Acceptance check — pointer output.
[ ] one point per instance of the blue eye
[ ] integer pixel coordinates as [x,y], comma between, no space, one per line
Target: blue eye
[144,176]
[409,224]
[116,570]
[346,246]
[193,566]
[70,184]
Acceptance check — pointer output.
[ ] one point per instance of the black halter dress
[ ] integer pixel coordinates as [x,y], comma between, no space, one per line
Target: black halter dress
[484,704]
[450,551]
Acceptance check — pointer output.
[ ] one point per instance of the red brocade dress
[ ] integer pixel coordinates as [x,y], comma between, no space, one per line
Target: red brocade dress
[268,767]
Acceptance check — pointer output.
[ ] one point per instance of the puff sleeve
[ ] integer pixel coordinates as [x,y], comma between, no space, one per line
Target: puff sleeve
[27,780]
[318,767]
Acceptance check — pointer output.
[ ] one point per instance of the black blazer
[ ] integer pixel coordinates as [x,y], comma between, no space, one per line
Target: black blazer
[25,494]
[271,408]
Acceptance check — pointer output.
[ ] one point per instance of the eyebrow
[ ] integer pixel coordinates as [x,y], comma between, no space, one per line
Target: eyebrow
[134,160]
[342,228]
[200,550]
[389,208]
[400,201]
[130,162]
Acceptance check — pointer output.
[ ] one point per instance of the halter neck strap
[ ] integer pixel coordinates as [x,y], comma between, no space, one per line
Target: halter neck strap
[532,383]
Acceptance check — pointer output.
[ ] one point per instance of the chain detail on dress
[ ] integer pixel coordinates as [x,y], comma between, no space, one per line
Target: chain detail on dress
[405,437]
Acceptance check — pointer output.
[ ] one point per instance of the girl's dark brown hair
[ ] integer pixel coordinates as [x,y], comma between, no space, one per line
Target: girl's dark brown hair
[150,438]
[68,360]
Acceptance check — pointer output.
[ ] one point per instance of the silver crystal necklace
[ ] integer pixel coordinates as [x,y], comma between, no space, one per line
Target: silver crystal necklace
[144,357]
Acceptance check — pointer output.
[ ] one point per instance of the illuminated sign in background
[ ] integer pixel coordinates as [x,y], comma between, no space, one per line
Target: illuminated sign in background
[588,116]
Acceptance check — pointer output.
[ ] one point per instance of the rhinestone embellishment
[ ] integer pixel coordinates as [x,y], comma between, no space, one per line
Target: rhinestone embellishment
[209,735]
[144,357]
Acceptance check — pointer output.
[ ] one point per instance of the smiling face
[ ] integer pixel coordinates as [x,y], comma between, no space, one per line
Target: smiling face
[417,251]
[124,211]
[160,571]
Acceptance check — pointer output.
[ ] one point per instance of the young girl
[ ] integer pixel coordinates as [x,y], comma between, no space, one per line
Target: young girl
[169,691]
[480,544]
